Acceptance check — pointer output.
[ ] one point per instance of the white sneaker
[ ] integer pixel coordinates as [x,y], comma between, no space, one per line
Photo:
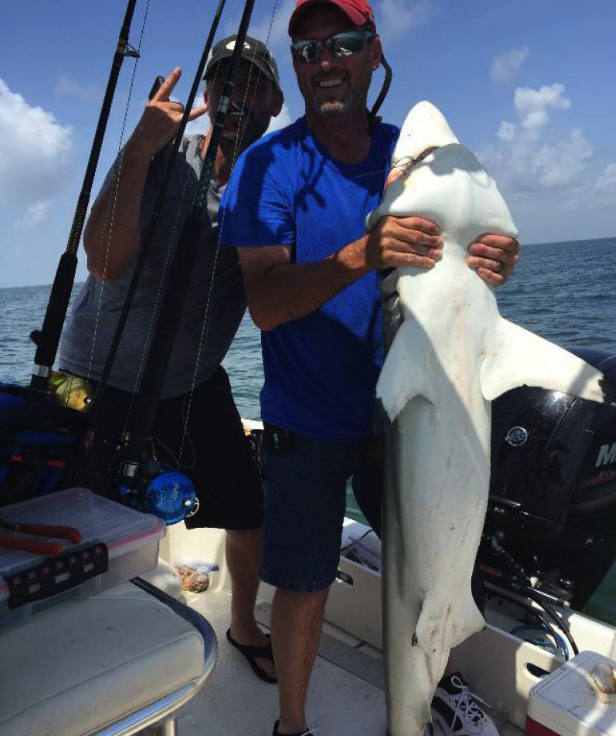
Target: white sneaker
[457,711]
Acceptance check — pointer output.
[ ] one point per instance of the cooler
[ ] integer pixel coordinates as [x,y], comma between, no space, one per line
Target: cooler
[569,703]
[118,543]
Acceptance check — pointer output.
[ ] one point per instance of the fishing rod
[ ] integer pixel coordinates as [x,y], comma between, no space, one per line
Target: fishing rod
[149,233]
[47,338]
[146,402]
[144,482]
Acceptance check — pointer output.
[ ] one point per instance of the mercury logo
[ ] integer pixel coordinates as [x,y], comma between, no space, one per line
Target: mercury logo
[607,455]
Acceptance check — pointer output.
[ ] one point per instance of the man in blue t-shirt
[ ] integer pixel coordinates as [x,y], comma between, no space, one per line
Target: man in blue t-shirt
[295,206]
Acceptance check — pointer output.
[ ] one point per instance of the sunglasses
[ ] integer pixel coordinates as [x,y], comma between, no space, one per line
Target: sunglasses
[340,46]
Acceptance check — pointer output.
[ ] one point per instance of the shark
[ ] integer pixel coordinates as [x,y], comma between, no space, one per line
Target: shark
[449,355]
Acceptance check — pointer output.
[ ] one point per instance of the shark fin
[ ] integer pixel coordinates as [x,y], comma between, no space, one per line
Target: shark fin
[439,631]
[520,358]
[404,374]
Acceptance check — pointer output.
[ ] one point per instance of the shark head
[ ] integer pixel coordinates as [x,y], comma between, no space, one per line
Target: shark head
[425,128]
[448,185]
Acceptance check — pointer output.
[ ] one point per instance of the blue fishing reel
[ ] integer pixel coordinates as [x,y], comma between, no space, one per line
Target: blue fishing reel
[162,491]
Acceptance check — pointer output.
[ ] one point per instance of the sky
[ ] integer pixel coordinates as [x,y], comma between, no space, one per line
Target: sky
[528,85]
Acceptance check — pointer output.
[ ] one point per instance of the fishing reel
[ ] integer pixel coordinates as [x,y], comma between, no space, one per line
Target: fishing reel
[151,485]
[157,488]
[70,391]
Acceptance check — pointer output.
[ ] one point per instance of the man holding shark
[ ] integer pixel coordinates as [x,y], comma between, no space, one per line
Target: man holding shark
[296,207]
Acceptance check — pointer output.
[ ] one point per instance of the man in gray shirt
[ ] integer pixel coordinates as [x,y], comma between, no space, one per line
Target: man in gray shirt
[197,423]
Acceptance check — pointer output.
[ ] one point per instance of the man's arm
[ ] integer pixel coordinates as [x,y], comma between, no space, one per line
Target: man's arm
[279,291]
[113,233]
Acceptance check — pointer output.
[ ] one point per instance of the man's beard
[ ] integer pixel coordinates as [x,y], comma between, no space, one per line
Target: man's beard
[244,134]
[230,136]
[336,108]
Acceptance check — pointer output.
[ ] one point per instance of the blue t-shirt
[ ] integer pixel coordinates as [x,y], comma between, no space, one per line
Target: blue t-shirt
[321,370]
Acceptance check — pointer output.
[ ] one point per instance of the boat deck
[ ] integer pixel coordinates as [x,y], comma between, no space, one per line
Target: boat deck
[346,695]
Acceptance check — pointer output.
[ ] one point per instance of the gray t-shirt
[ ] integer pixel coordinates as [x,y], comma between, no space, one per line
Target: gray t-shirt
[87,337]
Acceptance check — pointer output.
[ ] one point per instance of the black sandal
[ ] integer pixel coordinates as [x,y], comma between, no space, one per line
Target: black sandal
[252,654]
[299,733]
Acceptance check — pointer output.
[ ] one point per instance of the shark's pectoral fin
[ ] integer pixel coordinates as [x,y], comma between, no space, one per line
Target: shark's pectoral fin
[520,358]
[405,372]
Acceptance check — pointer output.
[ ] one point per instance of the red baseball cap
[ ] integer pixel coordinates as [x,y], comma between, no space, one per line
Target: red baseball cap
[359,12]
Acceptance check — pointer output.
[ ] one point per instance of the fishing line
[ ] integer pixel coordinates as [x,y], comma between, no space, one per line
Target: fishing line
[186,408]
[402,164]
[155,309]
[186,405]
[148,237]
[147,240]
[47,338]
[149,394]
[111,208]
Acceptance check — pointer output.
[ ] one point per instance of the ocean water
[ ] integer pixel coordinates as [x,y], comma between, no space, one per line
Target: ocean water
[564,292]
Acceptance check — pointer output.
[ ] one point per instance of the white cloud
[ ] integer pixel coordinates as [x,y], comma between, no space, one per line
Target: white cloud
[560,164]
[532,105]
[35,214]
[33,150]
[200,125]
[282,120]
[506,66]
[68,86]
[528,155]
[272,29]
[396,17]
[506,131]
[606,183]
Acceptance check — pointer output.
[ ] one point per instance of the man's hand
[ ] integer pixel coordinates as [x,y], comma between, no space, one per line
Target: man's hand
[161,119]
[404,241]
[494,258]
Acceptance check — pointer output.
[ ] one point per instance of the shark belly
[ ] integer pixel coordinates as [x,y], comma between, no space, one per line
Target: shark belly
[451,355]
[435,491]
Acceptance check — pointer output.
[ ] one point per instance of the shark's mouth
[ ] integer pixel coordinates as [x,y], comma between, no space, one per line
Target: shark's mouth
[408,162]
[404,166]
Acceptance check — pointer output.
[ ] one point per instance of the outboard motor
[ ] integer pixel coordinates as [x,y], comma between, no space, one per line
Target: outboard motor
[552,506]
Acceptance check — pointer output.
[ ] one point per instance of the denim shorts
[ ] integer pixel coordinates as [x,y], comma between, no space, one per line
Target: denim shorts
[305,500]
[305,495]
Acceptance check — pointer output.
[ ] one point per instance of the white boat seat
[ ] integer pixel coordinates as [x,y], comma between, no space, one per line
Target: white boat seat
[109,664]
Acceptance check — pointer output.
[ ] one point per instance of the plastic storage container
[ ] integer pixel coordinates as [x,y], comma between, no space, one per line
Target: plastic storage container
[569,703]
[127,539]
